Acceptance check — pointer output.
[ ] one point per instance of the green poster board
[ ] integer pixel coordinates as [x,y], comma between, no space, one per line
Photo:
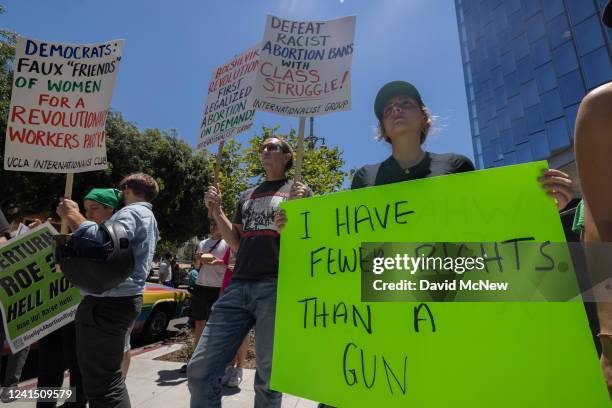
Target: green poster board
[35,299]
[331,347]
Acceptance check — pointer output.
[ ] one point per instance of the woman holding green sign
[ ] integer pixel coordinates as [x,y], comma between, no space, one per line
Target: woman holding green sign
[404,122]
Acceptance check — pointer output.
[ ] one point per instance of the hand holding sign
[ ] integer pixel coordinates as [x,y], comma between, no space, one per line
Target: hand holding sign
[559,186]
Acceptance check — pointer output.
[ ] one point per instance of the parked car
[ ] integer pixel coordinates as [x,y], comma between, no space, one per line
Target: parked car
[160,305]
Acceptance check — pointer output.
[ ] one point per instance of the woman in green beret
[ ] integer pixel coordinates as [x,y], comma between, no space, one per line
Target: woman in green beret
[100,203]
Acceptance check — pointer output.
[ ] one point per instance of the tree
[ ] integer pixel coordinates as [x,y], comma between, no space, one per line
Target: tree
[233,177]
[321,169]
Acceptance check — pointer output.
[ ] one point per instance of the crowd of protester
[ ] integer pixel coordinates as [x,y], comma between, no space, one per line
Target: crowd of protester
[233,280]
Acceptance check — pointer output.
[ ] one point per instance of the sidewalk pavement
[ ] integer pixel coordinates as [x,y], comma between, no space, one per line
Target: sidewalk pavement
[159,384]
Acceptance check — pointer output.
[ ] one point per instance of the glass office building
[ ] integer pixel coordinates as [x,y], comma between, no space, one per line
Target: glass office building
[527,65]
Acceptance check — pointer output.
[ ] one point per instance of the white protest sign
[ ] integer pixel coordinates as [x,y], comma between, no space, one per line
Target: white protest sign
[60,100]
[229,105]
[305,67]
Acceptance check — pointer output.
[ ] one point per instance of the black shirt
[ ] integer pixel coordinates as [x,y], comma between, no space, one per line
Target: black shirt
[258,254]
[389,171]
[5,228]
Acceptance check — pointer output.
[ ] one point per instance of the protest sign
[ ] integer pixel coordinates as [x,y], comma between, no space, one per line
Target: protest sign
[35,300]
[229,104]
[305,67]
[59,104]
[351,353]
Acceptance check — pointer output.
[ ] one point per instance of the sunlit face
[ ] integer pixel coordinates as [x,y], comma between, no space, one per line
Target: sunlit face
[402,115]
[96,212]
[215,232]
[272,155]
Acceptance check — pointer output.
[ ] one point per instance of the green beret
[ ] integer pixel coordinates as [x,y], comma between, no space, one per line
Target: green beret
[110,197]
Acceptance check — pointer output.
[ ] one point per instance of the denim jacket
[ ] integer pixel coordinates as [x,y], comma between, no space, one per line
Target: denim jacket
[141,226]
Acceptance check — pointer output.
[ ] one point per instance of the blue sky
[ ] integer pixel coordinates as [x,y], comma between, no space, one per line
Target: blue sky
[172,47]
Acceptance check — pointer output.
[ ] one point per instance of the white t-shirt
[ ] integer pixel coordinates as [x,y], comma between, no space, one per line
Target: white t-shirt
[165,272]
[212,275]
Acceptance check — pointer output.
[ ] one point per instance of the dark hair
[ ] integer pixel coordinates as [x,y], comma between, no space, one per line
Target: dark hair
[142,184]
[285,148]
[428,122]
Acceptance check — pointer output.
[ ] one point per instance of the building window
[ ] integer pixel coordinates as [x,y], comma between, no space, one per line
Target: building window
[578,10]
[529,93]
[516,107]
[558,135]
[558,31]
[498,77]
[565,59]
[570,114]
[500,98]
[503,119]
[512,86]
[502,39]
[520,46]
[488,157]
[588,35]
[499,16]
[508,64]
[540,52]
[572,88]
[535,26]
[497,149]
[510,159]
[539,145]
[552,9]
[507,141]
[513,5]
[597,67]
[524,71]
[535,122]
[519,131]
[551,105]
[545,77]
[523,153]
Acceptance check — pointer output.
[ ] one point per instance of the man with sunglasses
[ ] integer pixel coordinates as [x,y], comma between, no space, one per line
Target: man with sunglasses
[250,298]
[103,320]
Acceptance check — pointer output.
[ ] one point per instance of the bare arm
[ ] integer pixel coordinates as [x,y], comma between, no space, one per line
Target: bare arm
[230,232]
[593,152]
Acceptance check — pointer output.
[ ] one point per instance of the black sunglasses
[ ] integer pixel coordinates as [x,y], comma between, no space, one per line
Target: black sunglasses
[271,147]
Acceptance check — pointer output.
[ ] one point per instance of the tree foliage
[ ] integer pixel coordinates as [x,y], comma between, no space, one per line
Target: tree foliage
[321,167]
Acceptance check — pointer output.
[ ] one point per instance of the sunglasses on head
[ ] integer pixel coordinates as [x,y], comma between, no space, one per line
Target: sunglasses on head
[271,147]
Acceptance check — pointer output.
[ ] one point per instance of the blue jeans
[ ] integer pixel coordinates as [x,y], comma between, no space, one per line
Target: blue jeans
[242,305]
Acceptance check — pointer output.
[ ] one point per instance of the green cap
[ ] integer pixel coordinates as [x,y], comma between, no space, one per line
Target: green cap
[110,197]
[392,89]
